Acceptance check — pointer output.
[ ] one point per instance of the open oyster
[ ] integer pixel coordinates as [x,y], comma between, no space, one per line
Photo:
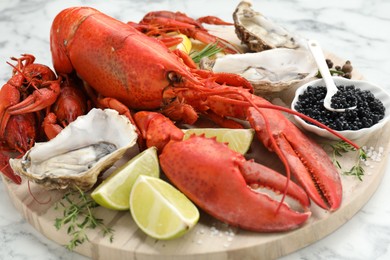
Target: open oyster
[271,70]
[258,32]
[80,152]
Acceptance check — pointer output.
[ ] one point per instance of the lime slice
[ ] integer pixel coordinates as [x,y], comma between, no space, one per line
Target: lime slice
[160,210]
[185,45]
[238,140]
[114,192]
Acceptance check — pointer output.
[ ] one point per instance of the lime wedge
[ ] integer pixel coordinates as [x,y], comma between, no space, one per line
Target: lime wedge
[238,140]
[114,192]
[160,210]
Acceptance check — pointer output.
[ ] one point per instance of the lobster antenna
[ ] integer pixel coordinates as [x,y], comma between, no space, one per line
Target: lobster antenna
[32,195]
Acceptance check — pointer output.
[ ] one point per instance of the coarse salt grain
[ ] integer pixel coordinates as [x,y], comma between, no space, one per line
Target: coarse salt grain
[214,231]
[372,154]
[223,230]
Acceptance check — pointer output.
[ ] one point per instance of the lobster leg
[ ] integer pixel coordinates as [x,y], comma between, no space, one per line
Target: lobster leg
[218,184]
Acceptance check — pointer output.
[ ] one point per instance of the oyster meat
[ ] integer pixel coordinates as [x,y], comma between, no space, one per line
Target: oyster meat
[269,71]
[80,152]
[260,33]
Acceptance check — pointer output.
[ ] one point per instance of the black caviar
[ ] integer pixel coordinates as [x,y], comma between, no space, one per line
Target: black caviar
[368,112]
[344,98]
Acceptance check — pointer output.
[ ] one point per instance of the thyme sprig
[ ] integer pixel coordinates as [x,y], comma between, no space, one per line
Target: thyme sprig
[208,51]
[78,216]
[340,148]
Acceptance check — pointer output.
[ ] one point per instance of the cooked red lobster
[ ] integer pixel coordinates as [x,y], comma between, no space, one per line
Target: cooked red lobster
[120,62]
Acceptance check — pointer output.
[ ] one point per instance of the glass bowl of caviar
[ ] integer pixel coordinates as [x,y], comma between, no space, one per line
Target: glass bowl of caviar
[371,113]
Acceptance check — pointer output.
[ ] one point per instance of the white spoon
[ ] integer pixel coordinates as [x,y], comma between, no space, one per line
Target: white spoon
[318,55]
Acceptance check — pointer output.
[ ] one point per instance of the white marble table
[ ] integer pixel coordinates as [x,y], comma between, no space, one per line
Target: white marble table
[357,30]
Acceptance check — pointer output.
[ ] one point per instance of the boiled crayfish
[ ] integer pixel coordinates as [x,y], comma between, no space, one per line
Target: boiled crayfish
[18,127]
[25,105]
[161,23]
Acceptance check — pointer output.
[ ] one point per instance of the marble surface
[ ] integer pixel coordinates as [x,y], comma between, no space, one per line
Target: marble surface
[353,29]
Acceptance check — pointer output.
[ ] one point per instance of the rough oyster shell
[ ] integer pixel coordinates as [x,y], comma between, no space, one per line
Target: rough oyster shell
[258,32]
[270,71]
[75,157]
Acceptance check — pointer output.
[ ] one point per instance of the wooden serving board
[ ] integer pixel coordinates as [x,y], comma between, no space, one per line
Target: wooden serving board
[210,239]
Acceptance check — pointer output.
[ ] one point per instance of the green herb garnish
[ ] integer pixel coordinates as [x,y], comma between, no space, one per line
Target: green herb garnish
[78,216]
[332,72]
[208,51]
[342,147]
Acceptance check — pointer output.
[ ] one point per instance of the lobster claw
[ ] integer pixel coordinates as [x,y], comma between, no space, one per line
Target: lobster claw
[219,184]
[309,163]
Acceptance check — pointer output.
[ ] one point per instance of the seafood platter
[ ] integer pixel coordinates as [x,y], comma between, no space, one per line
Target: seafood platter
[121,87]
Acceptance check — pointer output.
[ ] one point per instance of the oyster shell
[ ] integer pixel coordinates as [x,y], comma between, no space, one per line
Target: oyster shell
[80,152]
[258,32]
[270,71]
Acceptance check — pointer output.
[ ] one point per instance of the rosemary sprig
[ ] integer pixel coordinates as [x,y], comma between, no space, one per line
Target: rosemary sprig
[78,216]
[208,51]
[342,147]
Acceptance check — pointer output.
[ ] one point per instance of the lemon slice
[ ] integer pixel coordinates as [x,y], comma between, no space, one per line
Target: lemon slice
[160,210]
[185,45]
[114,192]
[238,140]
